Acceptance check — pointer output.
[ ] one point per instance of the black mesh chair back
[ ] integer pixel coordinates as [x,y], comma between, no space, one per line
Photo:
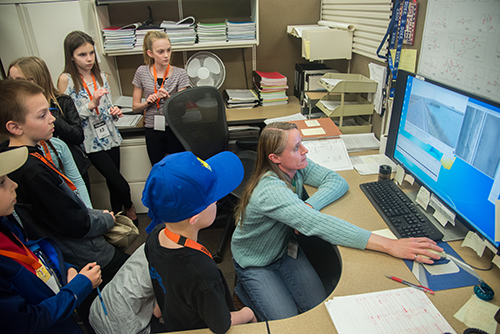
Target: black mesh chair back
[197,116]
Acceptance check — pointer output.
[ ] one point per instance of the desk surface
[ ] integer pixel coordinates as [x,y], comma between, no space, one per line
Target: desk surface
[364,271]
[259,114]
[237,116]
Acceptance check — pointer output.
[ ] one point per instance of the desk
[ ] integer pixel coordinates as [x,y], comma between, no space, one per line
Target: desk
[364,271]
[259,114]
[237,116]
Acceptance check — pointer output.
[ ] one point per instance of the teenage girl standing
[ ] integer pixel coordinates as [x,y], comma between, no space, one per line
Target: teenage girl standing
[88,87]
[67,125]
[157,80]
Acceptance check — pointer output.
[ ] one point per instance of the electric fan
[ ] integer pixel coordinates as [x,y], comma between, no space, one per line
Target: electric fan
[205,69]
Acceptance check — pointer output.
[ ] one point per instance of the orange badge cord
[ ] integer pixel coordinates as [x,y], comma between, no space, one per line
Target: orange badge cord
[88,90]
[162,83]
[183,241]
[29,259]
[51,166]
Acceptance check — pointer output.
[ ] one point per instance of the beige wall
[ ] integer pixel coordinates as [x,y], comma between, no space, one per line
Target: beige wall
[277,50]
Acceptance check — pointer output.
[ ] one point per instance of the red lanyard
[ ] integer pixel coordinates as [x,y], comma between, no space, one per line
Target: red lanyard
[51,165]
[183,241]
[162,83]
[29,259]
[88,90]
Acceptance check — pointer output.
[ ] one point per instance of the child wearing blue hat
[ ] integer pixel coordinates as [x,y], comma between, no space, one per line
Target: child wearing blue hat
[181,194]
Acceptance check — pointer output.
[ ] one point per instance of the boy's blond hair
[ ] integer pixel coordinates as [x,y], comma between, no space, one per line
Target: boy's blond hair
[13,93]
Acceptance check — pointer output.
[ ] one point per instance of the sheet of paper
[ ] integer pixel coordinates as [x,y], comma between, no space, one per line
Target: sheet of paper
[400,175]
[369,164]
[385,233]
[329,153]
[312,123]
[378,74]
[477,313]
[407,60]
[472,240]
[294,117]
[360,142]
[423,197]
[128,121]
[442,212]
[404,310]
[313,132]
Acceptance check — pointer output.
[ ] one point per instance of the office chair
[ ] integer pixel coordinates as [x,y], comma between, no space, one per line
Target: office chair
[197,116]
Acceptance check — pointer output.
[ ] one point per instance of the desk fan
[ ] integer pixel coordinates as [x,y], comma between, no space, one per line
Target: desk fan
[205,69]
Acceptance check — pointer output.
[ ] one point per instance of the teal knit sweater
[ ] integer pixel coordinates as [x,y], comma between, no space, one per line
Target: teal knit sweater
[274,211]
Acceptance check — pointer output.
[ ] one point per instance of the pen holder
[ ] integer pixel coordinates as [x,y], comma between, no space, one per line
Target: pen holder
[384,172]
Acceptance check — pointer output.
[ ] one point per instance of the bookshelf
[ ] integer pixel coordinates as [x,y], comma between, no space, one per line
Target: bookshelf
[122,12]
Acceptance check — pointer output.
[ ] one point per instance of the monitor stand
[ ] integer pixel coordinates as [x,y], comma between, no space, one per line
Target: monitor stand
[450,232]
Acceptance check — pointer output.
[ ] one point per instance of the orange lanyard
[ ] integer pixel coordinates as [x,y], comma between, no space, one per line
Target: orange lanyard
[183,241]
[162,83]
[46,151]
[51,166]
[29,259]
[88,90]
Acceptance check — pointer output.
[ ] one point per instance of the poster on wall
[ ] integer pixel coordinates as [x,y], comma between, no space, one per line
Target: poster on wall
[461,45]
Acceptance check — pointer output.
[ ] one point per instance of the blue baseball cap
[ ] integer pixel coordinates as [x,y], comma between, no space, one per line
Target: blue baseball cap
[182,185]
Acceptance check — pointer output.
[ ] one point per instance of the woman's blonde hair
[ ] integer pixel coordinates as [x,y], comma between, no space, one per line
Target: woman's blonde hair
[73,41]
[272,140]
[149,39]
[35,69]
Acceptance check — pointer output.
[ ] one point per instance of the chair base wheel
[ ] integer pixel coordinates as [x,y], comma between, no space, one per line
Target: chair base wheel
[217,258]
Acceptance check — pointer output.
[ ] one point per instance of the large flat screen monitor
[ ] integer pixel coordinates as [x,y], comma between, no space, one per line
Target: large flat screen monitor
[449,140]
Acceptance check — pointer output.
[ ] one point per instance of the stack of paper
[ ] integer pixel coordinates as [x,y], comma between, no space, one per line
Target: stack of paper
[241,98]
[211,32]
[271,87]
[120,38]
[240,31]
[182,32]
[140,33]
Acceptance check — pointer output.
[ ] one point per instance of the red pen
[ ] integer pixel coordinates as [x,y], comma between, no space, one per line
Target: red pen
[416,286]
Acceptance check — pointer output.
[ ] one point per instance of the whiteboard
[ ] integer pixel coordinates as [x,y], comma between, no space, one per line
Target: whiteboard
[461,45]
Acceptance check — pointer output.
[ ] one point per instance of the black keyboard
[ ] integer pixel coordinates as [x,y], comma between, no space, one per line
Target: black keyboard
[402,216]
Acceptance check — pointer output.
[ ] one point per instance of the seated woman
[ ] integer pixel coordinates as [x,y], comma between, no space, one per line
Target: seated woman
[275,279]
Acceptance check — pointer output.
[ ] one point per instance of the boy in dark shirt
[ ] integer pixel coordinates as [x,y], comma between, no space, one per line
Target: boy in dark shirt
[181,191]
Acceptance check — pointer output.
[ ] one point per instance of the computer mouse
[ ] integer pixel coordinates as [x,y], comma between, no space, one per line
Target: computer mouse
[442,260]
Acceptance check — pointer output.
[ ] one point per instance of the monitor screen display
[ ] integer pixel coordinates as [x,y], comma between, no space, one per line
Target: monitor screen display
[450,142]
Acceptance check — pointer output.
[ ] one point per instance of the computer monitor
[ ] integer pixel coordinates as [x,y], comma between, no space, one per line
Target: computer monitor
[449,141]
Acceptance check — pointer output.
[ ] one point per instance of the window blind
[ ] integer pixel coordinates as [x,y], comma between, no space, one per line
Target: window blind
[370,18]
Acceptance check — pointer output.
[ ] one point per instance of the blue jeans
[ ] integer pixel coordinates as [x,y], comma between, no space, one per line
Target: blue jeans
[280,290]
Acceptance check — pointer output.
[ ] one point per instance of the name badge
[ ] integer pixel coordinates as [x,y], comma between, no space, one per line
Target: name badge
[48,278]
[293,249]
[101,129]
[159,123]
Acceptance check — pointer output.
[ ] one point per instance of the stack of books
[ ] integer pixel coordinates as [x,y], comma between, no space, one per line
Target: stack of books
[182,32]
[271,87]
[241,98]
[211,32]
[140,33]
[240,31]
[120,38]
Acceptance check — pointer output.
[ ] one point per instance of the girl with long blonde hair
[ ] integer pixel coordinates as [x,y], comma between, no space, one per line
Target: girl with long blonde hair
[156,81]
